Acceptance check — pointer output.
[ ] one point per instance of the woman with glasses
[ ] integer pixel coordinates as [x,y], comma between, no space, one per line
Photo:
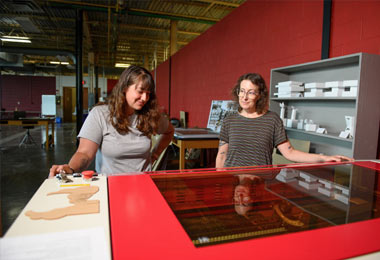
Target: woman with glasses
[248,137]
[118,132]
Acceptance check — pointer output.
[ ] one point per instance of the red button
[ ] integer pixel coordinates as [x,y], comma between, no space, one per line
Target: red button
[87,174]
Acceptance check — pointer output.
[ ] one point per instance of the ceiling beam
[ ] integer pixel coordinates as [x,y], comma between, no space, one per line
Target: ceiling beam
[133,11]
[139,27]
[126,39]
[219,3]
[171,16]
[88,22]
[208,8]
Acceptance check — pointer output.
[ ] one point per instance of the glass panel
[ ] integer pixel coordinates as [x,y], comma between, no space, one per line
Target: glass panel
[226,206]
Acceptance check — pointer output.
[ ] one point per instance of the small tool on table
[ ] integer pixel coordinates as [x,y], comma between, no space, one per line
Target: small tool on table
[62,177]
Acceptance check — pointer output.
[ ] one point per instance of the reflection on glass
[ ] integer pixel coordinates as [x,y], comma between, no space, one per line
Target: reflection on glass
[219,207]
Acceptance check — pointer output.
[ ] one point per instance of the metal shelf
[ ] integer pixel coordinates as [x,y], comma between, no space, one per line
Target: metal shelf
[331,136]
[314,98]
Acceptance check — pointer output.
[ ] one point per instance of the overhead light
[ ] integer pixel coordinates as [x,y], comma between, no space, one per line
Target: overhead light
[15,39]
[59,62]
[122,65]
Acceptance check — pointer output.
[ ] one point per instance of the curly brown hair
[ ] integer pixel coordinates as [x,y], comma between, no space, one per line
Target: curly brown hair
[148,117]
[262,103]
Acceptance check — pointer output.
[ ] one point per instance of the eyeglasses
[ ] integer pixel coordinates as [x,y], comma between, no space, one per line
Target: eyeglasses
[250,94]
[238,200]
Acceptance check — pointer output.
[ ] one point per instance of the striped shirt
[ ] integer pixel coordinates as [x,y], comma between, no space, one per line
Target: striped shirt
[251,140]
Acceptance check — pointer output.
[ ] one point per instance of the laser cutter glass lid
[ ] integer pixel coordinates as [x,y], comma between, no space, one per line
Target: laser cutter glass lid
[232,206]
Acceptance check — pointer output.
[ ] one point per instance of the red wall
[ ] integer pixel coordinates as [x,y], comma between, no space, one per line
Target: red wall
[161,75]
[255,37]
[25,90]
[259,36]
[355,27]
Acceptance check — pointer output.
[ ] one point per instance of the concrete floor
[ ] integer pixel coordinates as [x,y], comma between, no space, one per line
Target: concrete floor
[23,169]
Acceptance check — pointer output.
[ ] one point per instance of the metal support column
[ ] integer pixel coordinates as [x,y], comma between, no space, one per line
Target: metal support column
[96,83]
[326,29]
[78,68]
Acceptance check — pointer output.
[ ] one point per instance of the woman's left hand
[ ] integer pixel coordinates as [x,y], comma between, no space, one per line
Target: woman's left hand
[337,158]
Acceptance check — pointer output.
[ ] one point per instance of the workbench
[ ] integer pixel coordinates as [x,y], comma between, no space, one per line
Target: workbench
[34,122]
[184,144]
[295,211]
[62,236]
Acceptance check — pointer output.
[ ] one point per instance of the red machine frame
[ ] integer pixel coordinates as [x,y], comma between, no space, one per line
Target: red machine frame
[144,227]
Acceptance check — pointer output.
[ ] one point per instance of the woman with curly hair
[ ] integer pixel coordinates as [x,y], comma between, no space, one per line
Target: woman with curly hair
[118,132]
[247,138]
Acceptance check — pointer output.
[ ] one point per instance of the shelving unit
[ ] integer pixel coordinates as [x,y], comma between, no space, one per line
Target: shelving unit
[344,182]
[329,135]
[330,112]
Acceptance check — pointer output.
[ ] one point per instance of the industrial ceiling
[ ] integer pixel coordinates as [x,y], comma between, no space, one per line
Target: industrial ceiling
[139,32]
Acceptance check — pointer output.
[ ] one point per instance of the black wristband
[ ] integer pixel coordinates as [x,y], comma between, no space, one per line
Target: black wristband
[72,170]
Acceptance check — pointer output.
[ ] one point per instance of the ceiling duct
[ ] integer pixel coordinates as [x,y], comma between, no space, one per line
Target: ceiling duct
[41,52]
[24,6]
[62,58]
[11,59]
[27,25]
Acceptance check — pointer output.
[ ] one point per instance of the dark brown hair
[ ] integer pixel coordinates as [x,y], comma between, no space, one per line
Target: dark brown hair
[262,103]
[148,116]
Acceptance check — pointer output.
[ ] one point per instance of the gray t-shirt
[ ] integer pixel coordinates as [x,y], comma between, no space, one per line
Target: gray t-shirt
[128,153]
[251,140]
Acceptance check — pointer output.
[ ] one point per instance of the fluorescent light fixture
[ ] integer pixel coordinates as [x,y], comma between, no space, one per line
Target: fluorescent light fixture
[122,65]
[15,39]
[59,62]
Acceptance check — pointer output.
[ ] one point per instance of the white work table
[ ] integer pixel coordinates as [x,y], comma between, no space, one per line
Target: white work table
[87,232]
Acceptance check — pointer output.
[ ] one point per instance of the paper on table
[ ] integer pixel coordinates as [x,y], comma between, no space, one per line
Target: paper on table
[78,244]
